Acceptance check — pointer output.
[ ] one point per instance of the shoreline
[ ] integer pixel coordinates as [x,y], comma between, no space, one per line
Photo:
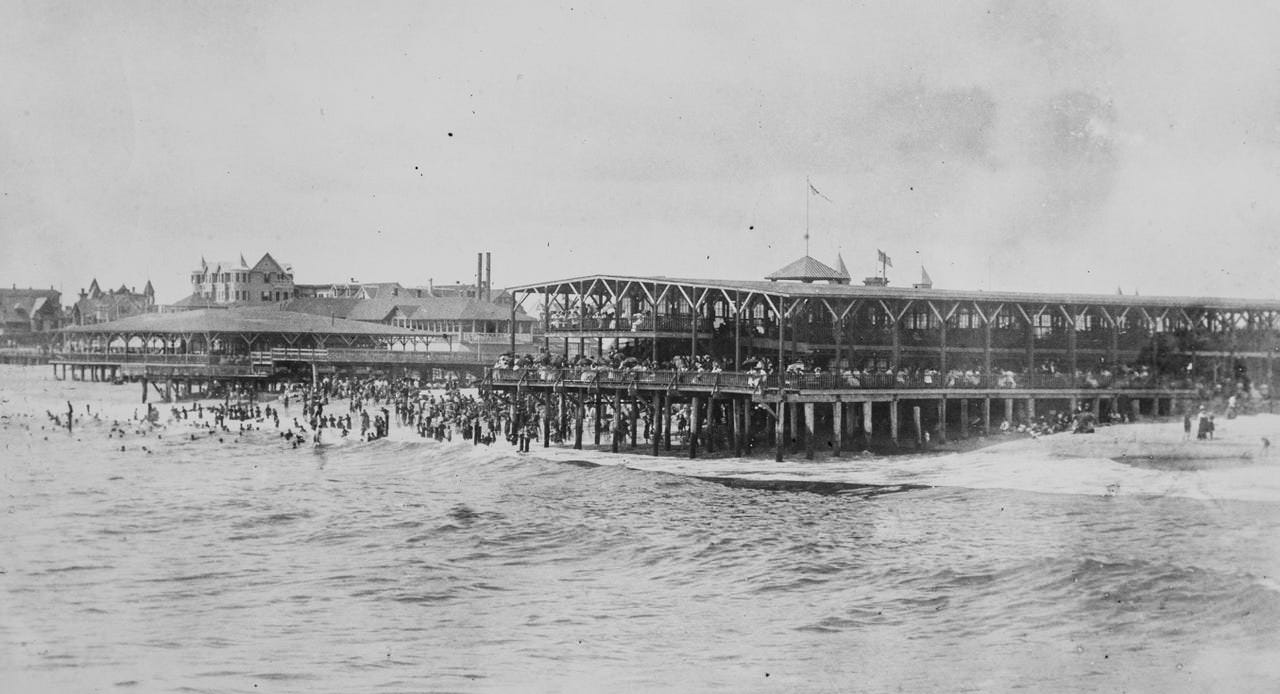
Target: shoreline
[1138,458]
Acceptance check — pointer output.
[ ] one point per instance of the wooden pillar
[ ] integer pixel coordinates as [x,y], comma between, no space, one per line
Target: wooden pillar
[866,421]
[782,364]
[599,414]
[737,426]
[655,423]
[710,419]
[561,423]
[837,427]
[695,425]
[896,358]
[942,419]
[779,427]
[964,418]
[893,420]
[615,421]
[1008,410]
[915,419]
[1071,346]
[986,352]
[546,423]
[579,411]
[986,416]
[737,335]
[666,421]
[1097,409]
[793,413]
[1031,409]
[634,412]
[809,428]
[144,388]
[942,351]
[1135,405]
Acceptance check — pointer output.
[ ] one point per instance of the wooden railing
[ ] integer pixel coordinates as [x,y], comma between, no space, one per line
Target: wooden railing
[622,378]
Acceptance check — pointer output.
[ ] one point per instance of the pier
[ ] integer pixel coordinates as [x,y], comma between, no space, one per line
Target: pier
[905,366]
[186,354]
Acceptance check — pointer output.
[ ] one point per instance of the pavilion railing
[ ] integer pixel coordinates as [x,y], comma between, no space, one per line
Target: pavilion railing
[135,357]
[624,324]
[738,380]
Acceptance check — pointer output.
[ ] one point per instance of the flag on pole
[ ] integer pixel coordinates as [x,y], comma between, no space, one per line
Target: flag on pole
[818,193]
[884,258]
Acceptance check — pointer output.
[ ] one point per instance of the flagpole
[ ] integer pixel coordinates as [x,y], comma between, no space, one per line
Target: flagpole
[807,195]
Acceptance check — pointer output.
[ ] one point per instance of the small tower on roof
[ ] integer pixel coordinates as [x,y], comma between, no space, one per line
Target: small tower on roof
[807,269]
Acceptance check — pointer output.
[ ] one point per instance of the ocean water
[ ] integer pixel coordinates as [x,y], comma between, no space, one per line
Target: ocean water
[244,565]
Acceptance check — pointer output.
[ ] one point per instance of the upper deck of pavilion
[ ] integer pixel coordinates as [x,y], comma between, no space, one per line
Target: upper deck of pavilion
[656,286]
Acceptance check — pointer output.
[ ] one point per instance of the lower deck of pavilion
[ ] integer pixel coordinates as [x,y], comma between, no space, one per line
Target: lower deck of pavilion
[711,418]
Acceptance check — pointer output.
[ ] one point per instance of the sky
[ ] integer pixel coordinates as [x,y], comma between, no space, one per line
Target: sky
[1004,145]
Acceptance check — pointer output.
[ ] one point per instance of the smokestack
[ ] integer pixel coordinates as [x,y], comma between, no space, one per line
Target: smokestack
[479,273]
[488,276]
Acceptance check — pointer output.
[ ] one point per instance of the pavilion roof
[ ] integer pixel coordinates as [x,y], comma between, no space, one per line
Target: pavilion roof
[807,269]
[260,320]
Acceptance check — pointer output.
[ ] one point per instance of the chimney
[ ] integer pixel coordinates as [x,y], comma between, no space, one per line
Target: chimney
[488,276]
[479,273]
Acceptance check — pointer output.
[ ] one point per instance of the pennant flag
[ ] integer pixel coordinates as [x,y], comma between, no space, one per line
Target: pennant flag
[818,193]
[884,258]
[242,263]
[924,277]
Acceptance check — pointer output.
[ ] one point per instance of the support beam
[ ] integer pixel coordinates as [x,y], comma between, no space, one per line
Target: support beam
[942,419]
[695,425]
[915,419]
[546,423]
[633,411]
[779,426]
[964,418]
[837,427]
[893,420]
[599,415]
[986,416]
[666,421]
[615,421]
[655,423]
[809,430]
[866,422]
[579,411]
[793,412]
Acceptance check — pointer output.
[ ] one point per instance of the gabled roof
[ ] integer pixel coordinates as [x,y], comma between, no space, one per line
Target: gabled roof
[21,304]
[807,269]
[269,264]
